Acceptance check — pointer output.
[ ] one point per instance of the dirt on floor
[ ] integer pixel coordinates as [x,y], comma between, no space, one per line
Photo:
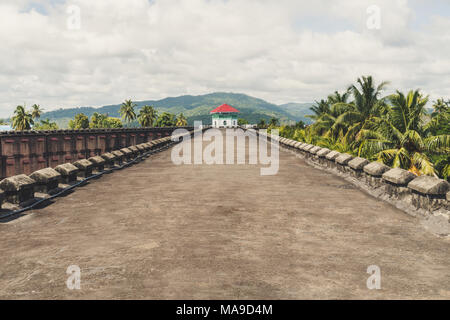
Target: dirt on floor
[161,231]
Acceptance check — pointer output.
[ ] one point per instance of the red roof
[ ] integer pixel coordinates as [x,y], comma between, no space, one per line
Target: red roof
[224,108]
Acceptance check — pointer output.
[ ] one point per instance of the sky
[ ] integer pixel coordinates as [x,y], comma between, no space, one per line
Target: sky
[59,53]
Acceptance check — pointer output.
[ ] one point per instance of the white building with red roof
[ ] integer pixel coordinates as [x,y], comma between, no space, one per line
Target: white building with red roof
[225,116]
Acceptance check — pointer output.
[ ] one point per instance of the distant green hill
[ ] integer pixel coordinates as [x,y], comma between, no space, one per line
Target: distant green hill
[198,108]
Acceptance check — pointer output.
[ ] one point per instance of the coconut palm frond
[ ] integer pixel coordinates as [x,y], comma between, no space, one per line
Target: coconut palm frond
[421,161]
[438,144]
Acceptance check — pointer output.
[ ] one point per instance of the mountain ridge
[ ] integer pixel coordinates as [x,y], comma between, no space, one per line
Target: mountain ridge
[198,107]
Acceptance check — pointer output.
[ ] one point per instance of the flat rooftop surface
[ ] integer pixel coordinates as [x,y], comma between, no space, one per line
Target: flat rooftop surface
[161,231]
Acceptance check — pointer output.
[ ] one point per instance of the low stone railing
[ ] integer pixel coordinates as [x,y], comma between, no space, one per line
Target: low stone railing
[23,152]
[20,191]
[424,196]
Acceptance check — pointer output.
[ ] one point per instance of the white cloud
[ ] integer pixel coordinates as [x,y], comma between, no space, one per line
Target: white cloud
[278,50]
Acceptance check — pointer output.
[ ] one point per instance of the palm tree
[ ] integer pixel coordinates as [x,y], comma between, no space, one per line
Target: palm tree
[36,112]
[365,108]
[181,120]
[400,138]
[147,116]
[336,97]
[46,125]
[166,120]
[99,120]
[22,120]
[321,107]
[440,106]
[127,111]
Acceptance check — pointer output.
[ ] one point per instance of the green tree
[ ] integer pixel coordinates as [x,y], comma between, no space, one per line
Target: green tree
[112,122]
[400,138]
[440,106]
[321,107]
[127,111]
[166,119]
[274,122]
[46,125]
[365,108]
[81,121]
[262,124]
[22,120]
[147,116]
[36,112]
[181,120]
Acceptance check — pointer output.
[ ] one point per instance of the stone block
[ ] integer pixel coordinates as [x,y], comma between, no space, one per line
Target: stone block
[376,169]
[140,148]
[85,167]
[314,150]
[68,172]
[430,186]
[128,154]
[323,152]
[119,156]
[47,180]
[109,159]
[343,159]
[332,155]
[358,163]
[98,163]
[135,150]
[398,176]
[18,189]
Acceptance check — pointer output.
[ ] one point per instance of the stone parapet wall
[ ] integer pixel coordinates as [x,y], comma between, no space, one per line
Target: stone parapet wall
[24,152]
[24,191]
[426,197]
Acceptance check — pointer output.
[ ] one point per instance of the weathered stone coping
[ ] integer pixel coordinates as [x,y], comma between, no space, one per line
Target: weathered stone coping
[18,189]
[429,185]
[108,157]
[323,152]
[376,169]
[118,154]
[315,150]
[358,163]
[97,161]
[46,179]
[332,155]
[126,151]
[66,169]
[68,172]
[134,149]
[16,183]
[343,158]
[398,176]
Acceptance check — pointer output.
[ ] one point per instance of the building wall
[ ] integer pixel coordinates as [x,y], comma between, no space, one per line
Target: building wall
[224,120]
[26,152]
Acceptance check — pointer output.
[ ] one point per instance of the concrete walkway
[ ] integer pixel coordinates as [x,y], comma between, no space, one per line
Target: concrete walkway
[160,231]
